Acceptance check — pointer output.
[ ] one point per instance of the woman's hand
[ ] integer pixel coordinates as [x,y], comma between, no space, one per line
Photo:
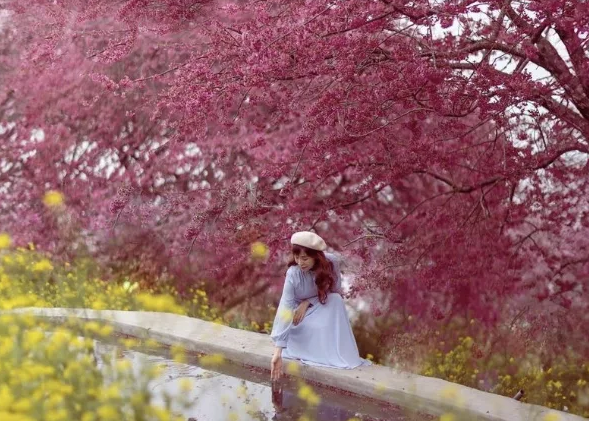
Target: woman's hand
[276,365]
[300,312]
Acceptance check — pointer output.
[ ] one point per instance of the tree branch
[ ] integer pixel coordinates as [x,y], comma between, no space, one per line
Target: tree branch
[574,47]
[168,71]
[296,27]
[363,238]
[461,189]
[548,161]
[565,113]
[476,47]
[549,59]
[240,299]
[369,21]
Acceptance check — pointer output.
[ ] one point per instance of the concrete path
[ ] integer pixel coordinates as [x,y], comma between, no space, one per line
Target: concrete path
[420,393]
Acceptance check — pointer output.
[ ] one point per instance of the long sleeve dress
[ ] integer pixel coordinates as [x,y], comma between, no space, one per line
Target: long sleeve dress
[324,337]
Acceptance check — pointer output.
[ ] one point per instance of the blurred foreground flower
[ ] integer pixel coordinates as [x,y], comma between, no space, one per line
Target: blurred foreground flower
[452,393]
[307,394]
[53,198]
[285,314]
[62,380]
[42,265]
[130,287]
[212,360]
[259,250]
[178,353]
[5,240]
[164,303]
[293,368]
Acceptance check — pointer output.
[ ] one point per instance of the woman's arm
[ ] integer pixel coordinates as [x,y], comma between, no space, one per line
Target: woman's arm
[276,365]
[300,311]
[282,324]
[284,313]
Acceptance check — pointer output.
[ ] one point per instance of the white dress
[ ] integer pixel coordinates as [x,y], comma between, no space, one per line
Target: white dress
[324,337]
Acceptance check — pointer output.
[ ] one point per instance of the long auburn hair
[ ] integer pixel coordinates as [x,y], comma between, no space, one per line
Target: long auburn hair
[323,268]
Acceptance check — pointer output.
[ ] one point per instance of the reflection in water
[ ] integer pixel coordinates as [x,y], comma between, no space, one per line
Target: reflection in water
[236,393]
[288,406]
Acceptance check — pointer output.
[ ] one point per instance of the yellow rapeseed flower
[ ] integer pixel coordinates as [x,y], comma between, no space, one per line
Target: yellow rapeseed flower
[92,327]
[448,416]
[285,314]
[53,198]
[130,287]
[452,393]
[185,385]
[129,342]
[22,405]
[259,250]
[241,391]
[60,414]
[178,353]
[124,365]
[106,331]
[161,414]
[307,394]
[113,391]
[61,337]
[52,361]
[156,370]
[11,416]
[551,416]
[32,338]
[293,368]
[43,265]
[88,416]
[164,303]
[5,241]
[380,387]
[6,397]
[152,343]
[6,347]
[212,360]
[108,413]
[98,304]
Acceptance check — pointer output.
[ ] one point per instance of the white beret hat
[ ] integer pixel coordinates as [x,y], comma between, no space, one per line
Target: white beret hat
[308,239]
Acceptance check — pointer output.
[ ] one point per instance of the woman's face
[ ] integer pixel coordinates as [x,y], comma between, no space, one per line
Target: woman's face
[304,261]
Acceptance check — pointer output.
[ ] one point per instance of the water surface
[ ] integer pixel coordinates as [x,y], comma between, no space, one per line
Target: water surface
[234,392]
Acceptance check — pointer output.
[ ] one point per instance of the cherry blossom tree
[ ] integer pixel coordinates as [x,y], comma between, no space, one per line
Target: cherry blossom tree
[444,144]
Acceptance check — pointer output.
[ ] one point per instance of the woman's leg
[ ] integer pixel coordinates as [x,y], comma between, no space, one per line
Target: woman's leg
[325,337]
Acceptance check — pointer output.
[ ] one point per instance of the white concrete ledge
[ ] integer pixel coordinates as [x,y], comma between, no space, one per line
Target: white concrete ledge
[419,393]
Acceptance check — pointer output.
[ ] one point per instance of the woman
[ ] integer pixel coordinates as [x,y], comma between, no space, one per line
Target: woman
[311,323]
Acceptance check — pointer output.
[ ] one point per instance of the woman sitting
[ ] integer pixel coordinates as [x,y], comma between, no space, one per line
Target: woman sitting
[311,323]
